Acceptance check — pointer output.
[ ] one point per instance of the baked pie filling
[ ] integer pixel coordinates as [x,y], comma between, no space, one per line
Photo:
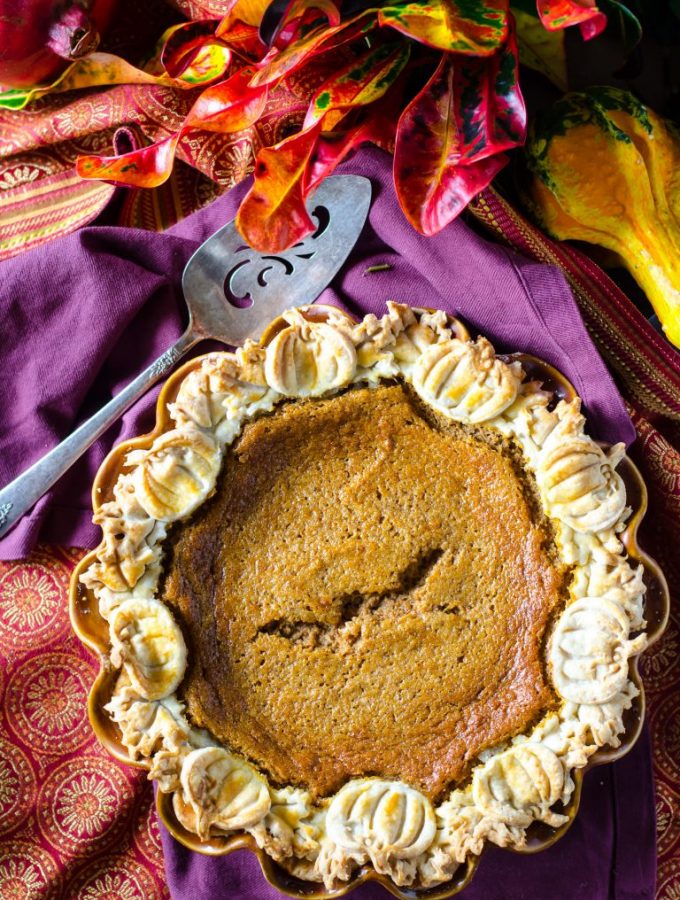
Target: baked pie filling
[367,592]
[367,597]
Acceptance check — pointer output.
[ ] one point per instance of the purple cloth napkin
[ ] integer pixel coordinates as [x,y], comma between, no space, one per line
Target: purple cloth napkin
[83,315]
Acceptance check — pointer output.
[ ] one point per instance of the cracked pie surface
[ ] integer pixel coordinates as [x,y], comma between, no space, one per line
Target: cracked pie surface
[367,597]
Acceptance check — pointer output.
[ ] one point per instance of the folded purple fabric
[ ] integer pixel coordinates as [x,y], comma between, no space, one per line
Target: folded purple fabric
[83,315]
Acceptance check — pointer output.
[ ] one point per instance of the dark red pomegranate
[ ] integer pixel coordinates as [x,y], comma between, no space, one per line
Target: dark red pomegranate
[39,38]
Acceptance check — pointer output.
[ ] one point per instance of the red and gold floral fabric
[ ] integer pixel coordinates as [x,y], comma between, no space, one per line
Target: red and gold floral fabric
[74,823]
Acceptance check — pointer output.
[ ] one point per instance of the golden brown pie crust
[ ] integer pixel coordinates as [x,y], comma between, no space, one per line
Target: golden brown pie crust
[368,560]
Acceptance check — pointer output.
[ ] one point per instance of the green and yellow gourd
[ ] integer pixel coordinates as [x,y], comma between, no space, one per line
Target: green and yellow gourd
[605,169]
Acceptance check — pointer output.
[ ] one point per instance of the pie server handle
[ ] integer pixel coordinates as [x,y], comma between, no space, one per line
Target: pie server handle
[293,278]
[22,493]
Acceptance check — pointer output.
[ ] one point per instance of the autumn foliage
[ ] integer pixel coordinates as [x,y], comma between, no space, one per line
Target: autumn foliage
[435,83]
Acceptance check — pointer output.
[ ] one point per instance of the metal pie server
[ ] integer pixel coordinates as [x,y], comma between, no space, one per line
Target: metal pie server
[232,293]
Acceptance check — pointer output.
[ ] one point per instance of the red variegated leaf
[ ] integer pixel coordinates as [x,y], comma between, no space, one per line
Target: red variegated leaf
[273,215]
[93,70]
[210,63]
[330,151]
[488,104]
[359,83]
[303,15]
[229,106]
[147,167]
[458,186]
[380,124]
[450,137]
[226,107]
[558,14]
[181,41]
[378,127]
[477,28]
[204,64]
[279,63]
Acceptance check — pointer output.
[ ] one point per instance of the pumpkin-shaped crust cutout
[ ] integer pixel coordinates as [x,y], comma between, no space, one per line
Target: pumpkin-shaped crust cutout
[590,649]
[519,785]
[175,476]
[309,358]
[148,642]
[383,817]
[580,485]
[465,381]
[223,791]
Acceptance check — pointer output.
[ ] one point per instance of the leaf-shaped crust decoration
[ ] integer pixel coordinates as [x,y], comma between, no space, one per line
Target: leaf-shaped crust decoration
[222,391]
[604,721]
[201,395]
[147,724]
[611,576]
[306,359]
[465,381]
[580,485]
[147,641]
[386,819]
[176,475]
[415,333]
[291,826]
[223,791]
[589,651]
[126,550]
[520,785]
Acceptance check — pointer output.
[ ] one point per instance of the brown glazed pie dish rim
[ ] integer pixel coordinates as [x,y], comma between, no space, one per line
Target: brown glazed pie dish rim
[93,631]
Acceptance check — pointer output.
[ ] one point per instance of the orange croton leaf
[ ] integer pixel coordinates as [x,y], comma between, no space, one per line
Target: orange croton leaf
[240,28]
[206,64]
[191,53]
[331,149]
[249,12]
[303,15]
[558,14]
[273,215]
[226,107]
[147,167]
[451,136]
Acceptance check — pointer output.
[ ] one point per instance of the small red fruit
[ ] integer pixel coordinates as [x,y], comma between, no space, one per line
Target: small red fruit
[39,38]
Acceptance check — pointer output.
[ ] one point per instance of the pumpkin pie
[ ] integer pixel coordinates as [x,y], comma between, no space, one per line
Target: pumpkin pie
[367,597]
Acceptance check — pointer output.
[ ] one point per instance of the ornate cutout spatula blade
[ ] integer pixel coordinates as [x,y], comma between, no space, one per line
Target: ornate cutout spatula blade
[232,292]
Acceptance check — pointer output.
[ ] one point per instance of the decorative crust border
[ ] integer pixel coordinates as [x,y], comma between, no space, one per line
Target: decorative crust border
[371,825]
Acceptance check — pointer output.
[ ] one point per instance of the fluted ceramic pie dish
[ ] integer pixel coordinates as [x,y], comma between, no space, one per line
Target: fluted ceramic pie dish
[422,345]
